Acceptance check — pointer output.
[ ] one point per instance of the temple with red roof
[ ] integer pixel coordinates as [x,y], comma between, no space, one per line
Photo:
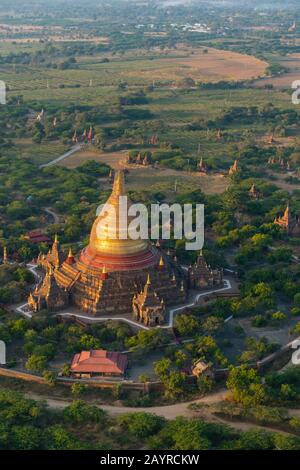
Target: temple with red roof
[99,362]
[36,237]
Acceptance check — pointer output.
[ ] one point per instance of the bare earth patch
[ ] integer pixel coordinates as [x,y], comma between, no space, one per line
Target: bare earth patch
[285,80]
[113,159]
[215,65]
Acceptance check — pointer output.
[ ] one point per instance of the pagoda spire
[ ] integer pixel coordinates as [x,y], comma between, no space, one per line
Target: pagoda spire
[119,184]
[287,211]
[104,274]
[70,258]
[90,134]
[5,255]
[287,215]
[234,168]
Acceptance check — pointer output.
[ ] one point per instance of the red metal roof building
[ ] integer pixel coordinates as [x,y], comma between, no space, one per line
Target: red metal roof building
[98,362]
[37,236]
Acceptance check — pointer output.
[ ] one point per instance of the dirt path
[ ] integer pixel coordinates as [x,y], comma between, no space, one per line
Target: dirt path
[53,214]
[168,411]
[171,412]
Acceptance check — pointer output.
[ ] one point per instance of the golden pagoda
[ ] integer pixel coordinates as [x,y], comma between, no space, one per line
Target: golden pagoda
[106,275]
[116,275]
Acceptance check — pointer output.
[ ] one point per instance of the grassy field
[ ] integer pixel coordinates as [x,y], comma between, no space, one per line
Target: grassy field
[135,69]
[162,179]
[94,83]
[38,153]
[172,110]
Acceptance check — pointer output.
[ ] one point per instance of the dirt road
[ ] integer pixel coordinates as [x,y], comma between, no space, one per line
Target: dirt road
[171,411]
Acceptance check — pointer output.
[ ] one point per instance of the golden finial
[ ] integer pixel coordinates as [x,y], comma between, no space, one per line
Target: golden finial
[119,184]
[56,238]
[50,272]
[182,286]
[161,262]
[104,269]
[287,210]
[70,254]
[148,280]
[5,256]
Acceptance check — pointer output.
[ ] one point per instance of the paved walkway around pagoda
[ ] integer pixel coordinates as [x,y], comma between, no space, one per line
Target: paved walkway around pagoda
[25,310]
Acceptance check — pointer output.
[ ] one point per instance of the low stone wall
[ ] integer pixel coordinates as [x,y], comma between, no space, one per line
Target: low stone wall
[15,374]
[126,385]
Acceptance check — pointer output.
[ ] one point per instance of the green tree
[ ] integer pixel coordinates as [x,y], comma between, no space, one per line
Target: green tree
[78,389]
[26,438]
[141,425]
[36,363]
[50,378]
[186,324]
[246,386]
[80,412]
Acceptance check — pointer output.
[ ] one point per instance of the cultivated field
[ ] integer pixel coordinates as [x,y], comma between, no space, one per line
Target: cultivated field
[172,108]
[168,68]
[292,63]
[213,66]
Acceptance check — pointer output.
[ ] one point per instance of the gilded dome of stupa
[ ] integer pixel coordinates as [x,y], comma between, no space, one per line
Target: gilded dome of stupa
[110,245]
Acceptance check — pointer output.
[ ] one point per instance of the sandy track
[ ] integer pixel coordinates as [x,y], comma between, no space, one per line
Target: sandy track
[171,412]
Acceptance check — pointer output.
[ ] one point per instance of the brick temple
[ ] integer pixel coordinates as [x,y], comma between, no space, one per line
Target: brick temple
[289,223]
[116,276]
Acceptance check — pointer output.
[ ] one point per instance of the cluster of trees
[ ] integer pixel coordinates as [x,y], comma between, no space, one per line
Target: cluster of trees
[196,434]
[26,191]
[15,282]
[248,388]
[28,425]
